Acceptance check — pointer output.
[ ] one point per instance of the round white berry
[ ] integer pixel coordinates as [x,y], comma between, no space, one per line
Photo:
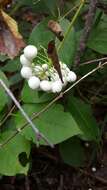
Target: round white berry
[71,77]
[56,86]
[93,169]
[55,77]
[26,72]
[45,85]
[24,61]
[34,82]
[30,52]
[64,66]
[86,144]
[45,66]
[38,68]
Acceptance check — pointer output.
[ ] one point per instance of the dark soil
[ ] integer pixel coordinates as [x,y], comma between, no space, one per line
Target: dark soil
[48,172]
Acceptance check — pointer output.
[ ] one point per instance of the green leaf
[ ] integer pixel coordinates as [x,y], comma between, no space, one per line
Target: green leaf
[9,160]
[83,116]
[27,2]
[3,57]
[67,47]
[98,37]
[55,124]
[52,6]
[32,96]
[3,95]
[12,65]
[41,34]
[16,78]
[72,152]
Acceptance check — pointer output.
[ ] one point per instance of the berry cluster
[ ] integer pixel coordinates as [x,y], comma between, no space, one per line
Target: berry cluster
[43,76]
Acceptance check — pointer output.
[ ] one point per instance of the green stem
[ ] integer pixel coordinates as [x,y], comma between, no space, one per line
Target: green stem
[71,24]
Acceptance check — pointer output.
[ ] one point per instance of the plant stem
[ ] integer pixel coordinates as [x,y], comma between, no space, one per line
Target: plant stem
[71,24]
[87,29]
[39,135]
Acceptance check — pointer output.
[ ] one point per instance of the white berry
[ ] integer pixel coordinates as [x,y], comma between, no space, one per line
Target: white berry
[56,86]
[24,61]
[45,85]
[26,72]
[30,52]
[93,169]
[71,77]
[34,82]
[45,66]
[86,144]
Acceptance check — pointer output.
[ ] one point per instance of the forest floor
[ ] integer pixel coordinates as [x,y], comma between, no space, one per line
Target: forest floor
[48,172]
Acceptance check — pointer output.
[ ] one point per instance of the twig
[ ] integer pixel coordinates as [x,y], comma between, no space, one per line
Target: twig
[78,81]
[93,61]
[87,30]
[100,179]
[38,134]
[71,24]
[36,115]
[6,117]
[68,12]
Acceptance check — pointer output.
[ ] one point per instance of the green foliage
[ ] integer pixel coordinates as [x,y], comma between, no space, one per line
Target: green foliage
[55,124]
[9,154]
[3,96]
[82,114]
[41,34]
[69,43]
[31,96]
[72,152]
[98,38]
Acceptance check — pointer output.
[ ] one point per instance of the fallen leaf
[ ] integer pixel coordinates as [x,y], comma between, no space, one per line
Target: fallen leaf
[3,3]
[52,54]
[11,40]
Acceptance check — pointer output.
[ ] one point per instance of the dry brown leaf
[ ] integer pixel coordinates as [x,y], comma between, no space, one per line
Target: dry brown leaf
[11,40]
[3,3]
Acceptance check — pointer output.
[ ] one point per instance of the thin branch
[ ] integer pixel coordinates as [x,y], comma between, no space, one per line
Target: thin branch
[93,61]
[86,31]
[6,117]
[36,115]
[85,76]
[38,134]
[69,11]
[71,24]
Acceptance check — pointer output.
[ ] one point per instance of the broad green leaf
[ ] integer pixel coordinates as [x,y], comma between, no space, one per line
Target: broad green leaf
[32,96]
[3,95]
[9,160]
[3,57]
[52,6]
[55,124]
[16,78]
[12,65]
[83,116]
[66,48]
[44,6]
[41,34]
[72,152]
[98,37]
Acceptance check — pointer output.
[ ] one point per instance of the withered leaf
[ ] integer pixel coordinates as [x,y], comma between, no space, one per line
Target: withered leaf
[3,3]
[11,40]
[56,29]
[52,54]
